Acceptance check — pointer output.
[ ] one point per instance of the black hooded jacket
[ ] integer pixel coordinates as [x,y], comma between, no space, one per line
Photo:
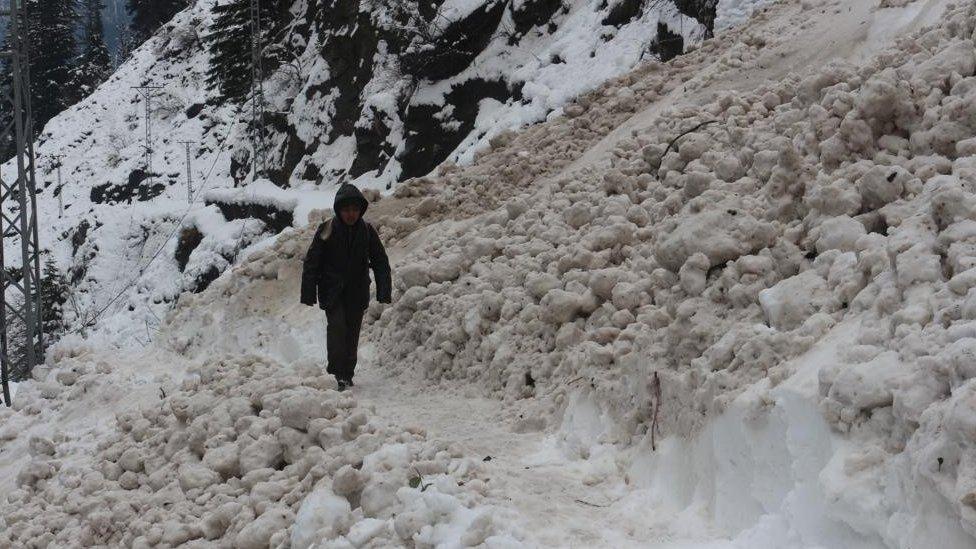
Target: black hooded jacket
[338,261]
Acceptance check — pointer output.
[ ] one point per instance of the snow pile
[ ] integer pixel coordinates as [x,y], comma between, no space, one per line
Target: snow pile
[249,453]
[695,267]
[729,13]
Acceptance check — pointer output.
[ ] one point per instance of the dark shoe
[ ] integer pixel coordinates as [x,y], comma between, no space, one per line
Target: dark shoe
[342,385]
[350,383]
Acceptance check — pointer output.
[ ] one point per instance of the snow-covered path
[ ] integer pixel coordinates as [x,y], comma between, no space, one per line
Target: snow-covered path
[553,505]
[556,501]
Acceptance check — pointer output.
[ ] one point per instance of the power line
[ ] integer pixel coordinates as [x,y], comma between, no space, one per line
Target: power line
[148,92]
[258,145]
[189,173]
[179,223]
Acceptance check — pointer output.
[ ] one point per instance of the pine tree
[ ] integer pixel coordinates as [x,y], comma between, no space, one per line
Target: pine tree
[54,294]
[53,44]
[6,104]
[149,15]
[229,43]
[94,63]
[230,50]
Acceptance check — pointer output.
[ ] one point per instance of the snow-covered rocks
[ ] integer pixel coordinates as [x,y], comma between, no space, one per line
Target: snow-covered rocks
[560,306]
[322,515]
[793,300]
[262,533]
[39,446]
[957,57]
[838,233]
[881,186]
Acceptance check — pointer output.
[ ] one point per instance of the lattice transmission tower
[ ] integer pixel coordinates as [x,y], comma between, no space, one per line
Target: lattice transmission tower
[21,322]
[259,136]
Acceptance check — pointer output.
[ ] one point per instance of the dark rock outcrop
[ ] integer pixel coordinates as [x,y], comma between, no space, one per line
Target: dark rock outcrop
[623,12]
[190,238]
[276,220]
[667,45]
[138,188]
[429,141]
[405,48]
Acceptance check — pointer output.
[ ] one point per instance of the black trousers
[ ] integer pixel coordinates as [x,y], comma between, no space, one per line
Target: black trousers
[342,338]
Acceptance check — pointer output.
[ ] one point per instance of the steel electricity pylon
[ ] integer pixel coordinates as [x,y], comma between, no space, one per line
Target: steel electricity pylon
[21,323]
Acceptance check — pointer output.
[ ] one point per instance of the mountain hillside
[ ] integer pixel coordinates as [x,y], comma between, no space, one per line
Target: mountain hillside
[371,92]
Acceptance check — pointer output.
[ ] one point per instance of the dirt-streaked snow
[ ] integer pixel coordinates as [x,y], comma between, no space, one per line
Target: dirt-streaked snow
[758,336]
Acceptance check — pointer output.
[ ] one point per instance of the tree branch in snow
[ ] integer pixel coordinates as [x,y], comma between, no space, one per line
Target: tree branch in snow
[692,130]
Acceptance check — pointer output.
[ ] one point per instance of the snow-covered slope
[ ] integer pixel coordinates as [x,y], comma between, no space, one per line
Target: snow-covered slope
[413,99]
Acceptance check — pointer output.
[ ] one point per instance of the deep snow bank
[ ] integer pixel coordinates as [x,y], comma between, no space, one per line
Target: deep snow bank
[768,473]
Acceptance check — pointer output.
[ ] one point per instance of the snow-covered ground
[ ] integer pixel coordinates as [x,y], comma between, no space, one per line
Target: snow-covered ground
[758,335]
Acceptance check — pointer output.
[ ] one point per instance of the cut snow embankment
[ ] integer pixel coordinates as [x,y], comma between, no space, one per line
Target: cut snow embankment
[768,473]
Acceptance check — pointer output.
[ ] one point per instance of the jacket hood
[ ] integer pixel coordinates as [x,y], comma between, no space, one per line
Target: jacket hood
[349,193]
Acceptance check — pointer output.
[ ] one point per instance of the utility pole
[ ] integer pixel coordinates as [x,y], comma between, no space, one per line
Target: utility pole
[189,173]
[57,163]
[21,345]
[148,92]
[258,145]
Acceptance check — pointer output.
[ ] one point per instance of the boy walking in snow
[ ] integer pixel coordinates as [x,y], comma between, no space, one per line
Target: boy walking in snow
[336,274]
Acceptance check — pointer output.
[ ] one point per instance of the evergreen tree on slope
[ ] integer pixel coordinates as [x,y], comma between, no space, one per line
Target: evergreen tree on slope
[53,48]
[94,63]
[52,45]
[7,149]
[229,43]
[149,15]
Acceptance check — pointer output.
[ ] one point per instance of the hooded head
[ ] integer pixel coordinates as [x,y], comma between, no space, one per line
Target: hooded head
[350,195]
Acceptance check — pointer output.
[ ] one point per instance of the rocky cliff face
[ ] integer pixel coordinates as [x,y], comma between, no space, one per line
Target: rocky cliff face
[400,87]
